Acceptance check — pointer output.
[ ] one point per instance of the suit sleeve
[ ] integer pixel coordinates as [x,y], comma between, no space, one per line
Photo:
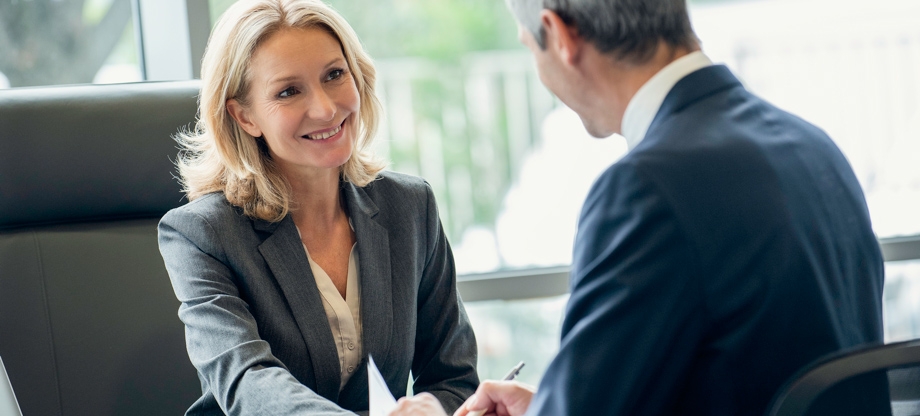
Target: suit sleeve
[223,342]
[634,317]
[445,347]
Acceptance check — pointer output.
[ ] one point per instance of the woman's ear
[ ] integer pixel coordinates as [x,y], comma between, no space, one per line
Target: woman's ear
[241,114]
[564,39]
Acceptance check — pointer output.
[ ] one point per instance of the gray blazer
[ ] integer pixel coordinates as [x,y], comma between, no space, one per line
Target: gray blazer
[255,326]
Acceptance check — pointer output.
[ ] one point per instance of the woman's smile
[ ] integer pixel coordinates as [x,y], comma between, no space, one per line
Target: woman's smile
[325,134]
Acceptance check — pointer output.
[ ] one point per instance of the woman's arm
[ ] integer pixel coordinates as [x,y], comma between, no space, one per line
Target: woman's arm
[222,338]
[445,346]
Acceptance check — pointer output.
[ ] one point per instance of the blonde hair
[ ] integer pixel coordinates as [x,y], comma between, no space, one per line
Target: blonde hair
[218,155]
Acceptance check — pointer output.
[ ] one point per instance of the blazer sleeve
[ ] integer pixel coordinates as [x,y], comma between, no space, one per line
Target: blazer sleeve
[445,346]
[633,320]
[223,342]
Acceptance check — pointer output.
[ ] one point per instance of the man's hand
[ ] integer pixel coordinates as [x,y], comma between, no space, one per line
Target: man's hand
[499,398]
[422,404]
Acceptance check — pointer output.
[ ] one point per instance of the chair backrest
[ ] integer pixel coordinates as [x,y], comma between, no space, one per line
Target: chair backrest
[88,319]
[868,381]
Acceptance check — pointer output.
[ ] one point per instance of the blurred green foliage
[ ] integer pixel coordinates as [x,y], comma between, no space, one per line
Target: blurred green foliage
[433,29]
[441,30]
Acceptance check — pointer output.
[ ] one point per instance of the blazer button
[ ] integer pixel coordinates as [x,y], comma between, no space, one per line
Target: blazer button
[351,369]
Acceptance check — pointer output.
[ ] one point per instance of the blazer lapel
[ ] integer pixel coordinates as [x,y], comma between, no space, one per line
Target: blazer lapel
[288,262]
[374,273]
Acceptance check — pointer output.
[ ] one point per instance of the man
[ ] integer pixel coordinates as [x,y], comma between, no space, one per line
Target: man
[729,248]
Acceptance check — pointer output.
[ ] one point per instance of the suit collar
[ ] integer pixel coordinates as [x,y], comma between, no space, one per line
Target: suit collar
[694,87]
[647,101]
[266,226]
[357,200]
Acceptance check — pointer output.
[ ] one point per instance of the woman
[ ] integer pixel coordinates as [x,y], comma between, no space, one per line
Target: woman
[297,258]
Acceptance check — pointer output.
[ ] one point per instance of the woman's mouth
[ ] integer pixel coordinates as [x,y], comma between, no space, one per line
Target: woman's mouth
[324,135]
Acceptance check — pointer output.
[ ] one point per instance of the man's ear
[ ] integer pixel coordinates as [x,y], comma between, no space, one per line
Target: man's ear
[564,39]
[241,115]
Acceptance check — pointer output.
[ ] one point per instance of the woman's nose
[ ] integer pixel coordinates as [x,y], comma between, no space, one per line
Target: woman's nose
[321,106]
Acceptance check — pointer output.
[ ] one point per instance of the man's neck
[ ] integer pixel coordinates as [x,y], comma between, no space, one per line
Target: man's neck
[618,80]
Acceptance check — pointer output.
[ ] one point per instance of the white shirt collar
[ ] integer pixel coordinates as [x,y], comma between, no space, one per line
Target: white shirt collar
[643,107]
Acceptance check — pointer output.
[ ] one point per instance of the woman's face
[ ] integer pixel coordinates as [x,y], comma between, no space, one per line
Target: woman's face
[303,100]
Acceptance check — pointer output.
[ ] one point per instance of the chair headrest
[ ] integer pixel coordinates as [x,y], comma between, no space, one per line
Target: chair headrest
[91,152]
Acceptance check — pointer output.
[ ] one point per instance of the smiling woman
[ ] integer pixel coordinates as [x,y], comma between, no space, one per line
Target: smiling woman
[302,105]
[297,258]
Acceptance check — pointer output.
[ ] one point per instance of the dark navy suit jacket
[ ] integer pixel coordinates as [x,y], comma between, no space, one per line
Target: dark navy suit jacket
[731,247]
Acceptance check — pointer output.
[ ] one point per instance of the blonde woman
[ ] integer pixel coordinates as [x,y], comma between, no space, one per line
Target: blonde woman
[298,257]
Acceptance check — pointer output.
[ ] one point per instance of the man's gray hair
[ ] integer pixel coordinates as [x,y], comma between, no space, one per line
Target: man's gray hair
[627,29]
[527,13]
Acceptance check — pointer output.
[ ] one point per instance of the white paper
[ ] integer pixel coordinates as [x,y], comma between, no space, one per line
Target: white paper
[381,400]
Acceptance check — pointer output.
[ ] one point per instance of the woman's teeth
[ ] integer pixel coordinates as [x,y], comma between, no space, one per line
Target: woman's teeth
[324,136]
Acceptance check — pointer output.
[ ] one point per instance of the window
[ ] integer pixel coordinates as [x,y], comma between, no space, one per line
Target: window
[902,308]
[66,42]
[520,330]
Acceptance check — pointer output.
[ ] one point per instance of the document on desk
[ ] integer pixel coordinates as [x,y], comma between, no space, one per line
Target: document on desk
[381,400]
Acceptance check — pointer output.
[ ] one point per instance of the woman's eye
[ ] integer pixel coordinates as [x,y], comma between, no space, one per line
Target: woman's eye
[288,92]
[335,74]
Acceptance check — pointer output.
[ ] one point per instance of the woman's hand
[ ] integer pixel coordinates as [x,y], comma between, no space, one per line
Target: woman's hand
[500,398]
[422,404]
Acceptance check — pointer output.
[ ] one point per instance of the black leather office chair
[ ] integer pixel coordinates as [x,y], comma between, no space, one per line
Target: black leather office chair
[858,382]
[88,319]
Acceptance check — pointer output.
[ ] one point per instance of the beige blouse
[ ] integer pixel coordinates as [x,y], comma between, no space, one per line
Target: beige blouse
[344,315]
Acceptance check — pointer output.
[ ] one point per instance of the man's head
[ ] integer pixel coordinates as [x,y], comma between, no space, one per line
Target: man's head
[595,54]
[630,30]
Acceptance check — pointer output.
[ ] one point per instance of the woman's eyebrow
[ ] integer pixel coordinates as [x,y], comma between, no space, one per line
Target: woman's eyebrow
[283,79]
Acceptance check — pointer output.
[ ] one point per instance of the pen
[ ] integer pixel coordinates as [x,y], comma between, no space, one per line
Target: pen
[508,377]
[514,372]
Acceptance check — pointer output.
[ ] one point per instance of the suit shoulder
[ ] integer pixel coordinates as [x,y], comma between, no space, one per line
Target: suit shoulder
[628,169]
[399,196]
[398,183]
[213,208]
